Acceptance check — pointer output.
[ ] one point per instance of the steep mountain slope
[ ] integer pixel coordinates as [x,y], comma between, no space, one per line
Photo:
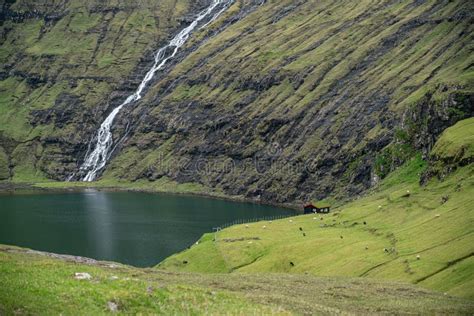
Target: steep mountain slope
[402,231]
[305,99]
[279,101]
[63,64]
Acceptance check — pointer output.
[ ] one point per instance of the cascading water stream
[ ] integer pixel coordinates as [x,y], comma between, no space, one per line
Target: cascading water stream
[96,159]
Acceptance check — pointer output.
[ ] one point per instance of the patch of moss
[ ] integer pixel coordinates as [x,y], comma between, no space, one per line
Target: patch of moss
[456,142]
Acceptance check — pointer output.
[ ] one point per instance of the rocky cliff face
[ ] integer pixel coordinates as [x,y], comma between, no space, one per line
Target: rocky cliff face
[278,101]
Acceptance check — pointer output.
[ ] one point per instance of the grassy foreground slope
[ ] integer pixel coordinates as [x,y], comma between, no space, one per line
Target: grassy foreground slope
[401,231]
[44,284]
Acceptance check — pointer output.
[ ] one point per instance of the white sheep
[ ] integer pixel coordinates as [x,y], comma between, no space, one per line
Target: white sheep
[82,276]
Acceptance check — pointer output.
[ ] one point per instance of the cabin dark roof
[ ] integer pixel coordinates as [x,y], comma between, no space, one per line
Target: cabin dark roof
[311,205]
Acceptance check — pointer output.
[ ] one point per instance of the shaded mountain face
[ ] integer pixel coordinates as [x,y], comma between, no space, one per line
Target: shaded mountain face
[281,101]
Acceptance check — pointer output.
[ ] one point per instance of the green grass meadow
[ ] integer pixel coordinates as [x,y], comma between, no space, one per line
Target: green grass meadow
[400,231]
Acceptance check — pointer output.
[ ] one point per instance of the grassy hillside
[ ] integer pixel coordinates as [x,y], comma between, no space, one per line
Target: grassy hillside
[43,284]
[400,231]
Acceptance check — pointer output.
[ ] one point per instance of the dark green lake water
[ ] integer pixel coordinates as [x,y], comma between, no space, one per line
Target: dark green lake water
[134,228]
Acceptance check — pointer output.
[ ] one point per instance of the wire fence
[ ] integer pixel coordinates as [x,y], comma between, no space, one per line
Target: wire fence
[254,220]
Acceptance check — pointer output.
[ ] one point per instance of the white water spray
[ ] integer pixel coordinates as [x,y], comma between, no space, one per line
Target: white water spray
[98,157]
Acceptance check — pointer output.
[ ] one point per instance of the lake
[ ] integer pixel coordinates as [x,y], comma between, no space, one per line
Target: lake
[139,229]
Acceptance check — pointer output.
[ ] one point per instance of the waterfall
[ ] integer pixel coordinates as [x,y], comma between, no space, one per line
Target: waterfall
[96,159]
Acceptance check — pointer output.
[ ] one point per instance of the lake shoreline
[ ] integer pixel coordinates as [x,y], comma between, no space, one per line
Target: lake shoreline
[7,187]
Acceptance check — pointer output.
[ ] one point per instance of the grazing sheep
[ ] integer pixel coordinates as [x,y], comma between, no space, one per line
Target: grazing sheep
[380,206]
[82,276]
[437,215]
[246,226]
[264,226]
[315,218]
[366,247]
[444,199]
[113,307]
[291,221]
[418,257]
